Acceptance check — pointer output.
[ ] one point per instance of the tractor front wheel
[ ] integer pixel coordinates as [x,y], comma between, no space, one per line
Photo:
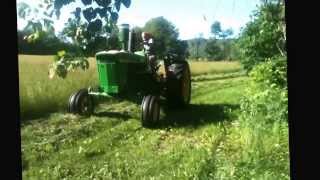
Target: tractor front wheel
[71,106]
[150,108]
[81,103]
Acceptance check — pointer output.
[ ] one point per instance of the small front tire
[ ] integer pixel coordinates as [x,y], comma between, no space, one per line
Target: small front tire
[150,108]
[71,108]
[81,103]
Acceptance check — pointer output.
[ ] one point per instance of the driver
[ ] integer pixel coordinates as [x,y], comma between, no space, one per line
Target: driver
[149,49]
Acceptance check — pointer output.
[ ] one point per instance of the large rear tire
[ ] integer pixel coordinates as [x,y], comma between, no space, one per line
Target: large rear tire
[179,84]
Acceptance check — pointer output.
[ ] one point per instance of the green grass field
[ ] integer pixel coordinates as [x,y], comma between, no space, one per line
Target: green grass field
[204,141]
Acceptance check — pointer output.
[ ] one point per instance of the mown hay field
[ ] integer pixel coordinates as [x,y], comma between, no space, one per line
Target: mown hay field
[205,141]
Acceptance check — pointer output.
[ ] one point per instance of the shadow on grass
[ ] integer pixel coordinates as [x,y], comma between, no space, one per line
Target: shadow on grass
[200,79]
[196,115]
[113,115]
[37,114]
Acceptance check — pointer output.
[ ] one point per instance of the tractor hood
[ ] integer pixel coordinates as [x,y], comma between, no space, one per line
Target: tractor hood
[121,56]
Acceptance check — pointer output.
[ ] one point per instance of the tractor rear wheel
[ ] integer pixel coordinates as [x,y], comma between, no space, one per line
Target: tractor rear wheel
[81,103]
[179,84]
[150,110]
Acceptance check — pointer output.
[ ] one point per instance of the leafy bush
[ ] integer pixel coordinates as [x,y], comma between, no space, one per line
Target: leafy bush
[264,37]
[262,53]
[266,95]
[65,62]
[262,130]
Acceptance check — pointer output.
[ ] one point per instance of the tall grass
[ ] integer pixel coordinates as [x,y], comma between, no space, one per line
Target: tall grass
[253,150]
[39,94]
[261,133]
[216,67]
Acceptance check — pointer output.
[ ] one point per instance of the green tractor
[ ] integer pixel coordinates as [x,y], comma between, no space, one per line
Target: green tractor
[127,75]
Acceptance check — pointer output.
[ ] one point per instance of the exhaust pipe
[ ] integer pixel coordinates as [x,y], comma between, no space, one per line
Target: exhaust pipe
[130,41]
[125,37]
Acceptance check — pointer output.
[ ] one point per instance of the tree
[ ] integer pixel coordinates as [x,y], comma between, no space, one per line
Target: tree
[196,47]
[47,44]
[219,49]
[213,50]
[181,48]
[226,33]
[98,41]
[264,36]
[94,12]
[217,31]
[89,21]
[197,44]
[216,28]
[165,34]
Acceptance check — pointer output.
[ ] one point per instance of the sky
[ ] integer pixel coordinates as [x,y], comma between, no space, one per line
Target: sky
[191,18]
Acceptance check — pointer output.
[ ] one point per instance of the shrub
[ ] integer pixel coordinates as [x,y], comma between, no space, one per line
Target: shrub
[266,95]
[262,131]
[264,37]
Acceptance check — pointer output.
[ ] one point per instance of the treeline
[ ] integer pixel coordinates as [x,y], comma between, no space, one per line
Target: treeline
[212,49]
[164,32]
[47,44]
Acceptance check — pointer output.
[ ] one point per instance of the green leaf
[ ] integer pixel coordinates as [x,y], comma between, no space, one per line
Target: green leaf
[103,3]
[49,6]
[95,26]
[86,2]
[77,12]
[61,53]
[33,37]
[117,4]
[126,3]
[52,72]
[108,29]
[114,16]
[23,10]
[57,12]
[89,14]
[48,24]
[103,12]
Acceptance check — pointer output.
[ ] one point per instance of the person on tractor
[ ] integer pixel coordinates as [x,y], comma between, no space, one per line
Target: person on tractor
[149,50]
